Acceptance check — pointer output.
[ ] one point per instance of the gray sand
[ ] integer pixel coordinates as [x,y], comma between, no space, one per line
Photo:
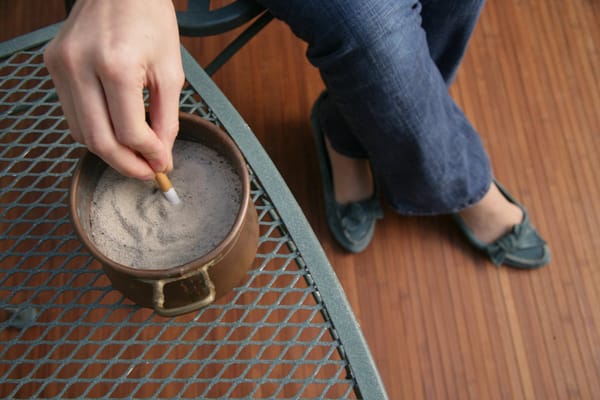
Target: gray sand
[133,224]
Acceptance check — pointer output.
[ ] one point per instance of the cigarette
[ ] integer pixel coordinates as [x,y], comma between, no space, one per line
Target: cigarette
[165,186]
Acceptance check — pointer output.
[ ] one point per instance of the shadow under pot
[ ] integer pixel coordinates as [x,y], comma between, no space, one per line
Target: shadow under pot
[172,258]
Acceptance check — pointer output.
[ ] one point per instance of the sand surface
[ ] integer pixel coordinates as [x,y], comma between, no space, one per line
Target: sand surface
[133,224]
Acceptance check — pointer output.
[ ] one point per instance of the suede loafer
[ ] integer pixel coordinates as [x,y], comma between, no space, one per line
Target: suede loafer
[522,247]
[352,224]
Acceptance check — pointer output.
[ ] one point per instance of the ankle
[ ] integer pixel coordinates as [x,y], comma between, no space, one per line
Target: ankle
[352,177]
[492,217]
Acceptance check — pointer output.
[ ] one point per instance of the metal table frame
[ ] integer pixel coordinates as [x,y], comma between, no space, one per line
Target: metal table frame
[283,229]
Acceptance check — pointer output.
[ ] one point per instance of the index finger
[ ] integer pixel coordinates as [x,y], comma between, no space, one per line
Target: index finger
[125,102]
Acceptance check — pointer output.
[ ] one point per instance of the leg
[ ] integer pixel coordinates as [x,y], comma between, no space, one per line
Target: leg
[387,71]
[374,59]
[448,26]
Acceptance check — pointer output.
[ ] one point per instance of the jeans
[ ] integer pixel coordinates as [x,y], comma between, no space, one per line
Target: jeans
[387,65]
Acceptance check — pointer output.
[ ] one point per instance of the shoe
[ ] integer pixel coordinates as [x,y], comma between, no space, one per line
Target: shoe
[522,247]
[352,224]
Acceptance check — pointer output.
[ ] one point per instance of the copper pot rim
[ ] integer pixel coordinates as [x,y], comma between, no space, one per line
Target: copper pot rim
[234,155]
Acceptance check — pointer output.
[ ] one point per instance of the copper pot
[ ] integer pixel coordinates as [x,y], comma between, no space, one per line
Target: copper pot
[190,286]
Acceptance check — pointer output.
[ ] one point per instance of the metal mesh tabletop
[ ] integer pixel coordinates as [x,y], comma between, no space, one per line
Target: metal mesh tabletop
[286,332]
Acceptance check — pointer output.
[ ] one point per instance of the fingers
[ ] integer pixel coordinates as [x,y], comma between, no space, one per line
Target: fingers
[108,117]
[51,59]
[126,108]
[85,108]
[164,108]
[100,61]
[98,135]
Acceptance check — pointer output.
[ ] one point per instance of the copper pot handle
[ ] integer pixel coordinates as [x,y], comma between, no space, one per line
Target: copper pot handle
[158,295]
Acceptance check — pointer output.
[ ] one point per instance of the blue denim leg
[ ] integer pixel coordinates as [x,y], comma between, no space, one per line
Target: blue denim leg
[389,99]
[448,25]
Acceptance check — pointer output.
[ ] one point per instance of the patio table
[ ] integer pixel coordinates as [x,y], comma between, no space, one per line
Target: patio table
[287,332]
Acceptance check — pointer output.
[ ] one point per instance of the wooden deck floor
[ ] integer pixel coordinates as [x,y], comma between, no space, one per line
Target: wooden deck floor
[443,322]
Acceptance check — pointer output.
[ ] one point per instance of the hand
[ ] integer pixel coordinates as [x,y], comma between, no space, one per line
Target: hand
[105,54]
